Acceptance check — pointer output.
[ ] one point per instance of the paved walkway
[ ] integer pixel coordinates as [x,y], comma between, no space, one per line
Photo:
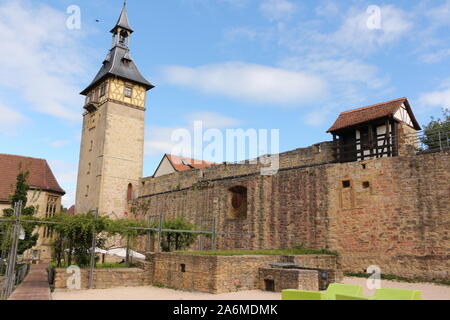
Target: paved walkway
[35,286]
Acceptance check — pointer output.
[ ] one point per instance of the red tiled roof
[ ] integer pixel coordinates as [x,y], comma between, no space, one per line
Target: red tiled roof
[41,176]
[373,112]
[71,211]
[183,164]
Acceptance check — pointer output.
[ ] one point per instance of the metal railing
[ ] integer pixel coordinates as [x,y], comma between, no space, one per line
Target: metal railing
[13,274]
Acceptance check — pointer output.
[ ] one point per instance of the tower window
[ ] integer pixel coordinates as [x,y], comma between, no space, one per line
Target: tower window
[89,168]
[366,184]
[128,91]
[103,90]
[238,205]
[346,184]
[87,191]
[92,145]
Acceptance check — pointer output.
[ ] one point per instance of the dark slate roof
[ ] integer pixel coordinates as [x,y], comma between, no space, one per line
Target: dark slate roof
[41,176]
[116,65]
[377,111]
[123,21]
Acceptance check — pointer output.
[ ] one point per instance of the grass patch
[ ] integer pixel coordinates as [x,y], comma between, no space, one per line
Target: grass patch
[391,277]
[274,252]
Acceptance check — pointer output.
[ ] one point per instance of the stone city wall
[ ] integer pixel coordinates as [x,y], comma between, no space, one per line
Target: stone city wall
[390,212]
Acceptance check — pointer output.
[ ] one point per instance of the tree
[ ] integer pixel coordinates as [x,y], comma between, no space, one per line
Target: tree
[437,132]
[176,241]
[74,236]
[20,194]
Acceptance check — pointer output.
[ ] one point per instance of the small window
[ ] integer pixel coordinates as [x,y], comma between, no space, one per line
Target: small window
[270,285]
[103,90]
[366,184]
[89,168]
[87,191]
[346,184]
[92,145]
[183,268]
[364,166]
[128,91]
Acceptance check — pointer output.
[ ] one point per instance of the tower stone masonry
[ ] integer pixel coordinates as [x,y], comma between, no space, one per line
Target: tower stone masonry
[112,143]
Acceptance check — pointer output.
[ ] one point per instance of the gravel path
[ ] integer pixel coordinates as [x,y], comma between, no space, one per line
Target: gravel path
[429,291]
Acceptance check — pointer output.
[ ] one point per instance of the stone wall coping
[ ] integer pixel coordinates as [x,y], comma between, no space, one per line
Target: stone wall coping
[247,256]
[289,270]
[129,270]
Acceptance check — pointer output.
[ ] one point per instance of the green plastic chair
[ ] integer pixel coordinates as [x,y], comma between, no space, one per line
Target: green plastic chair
[349,297]
[330,294]
[397,294]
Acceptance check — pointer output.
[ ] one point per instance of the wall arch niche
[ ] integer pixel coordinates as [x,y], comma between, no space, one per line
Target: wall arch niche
[238,203]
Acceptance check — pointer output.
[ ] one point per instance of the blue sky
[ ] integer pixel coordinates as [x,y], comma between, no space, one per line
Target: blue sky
[263,64]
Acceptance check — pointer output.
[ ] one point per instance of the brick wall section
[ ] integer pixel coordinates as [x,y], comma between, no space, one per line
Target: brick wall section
[106,278]
[284,211]
[401,222]
[289,279]
[35,286]
[218,274]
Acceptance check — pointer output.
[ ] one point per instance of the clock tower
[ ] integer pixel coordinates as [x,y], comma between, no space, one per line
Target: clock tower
[112,143]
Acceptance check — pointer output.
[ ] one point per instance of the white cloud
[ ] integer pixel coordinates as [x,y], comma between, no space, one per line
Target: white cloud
[69,198]
[41,58]
[278,9]
[439,16]
[250,82]
[354,33]
[66,173]
[10,120]
[159,140]
[435,57]
[339,70]
[328,8]
[434,99]
[350,82]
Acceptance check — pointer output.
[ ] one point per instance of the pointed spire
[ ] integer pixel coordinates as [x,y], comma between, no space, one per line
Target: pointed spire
[123,20]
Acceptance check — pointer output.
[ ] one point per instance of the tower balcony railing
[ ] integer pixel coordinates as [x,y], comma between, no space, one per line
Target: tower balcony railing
[91,106]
